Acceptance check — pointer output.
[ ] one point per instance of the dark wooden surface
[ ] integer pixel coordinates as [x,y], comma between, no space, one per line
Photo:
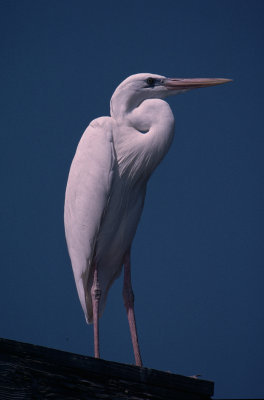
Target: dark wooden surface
[34,372]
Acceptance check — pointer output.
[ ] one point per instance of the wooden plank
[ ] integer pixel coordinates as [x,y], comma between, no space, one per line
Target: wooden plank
[34,372]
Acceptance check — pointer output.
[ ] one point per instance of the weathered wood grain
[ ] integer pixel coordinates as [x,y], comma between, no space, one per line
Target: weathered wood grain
[34,372]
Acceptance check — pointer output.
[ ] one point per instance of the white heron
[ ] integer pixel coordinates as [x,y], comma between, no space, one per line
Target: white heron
[107,185]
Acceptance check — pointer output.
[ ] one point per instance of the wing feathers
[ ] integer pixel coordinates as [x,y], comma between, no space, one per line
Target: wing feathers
[87,194]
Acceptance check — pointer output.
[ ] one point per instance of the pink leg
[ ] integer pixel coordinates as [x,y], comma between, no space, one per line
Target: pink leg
[96,294]
[129,305]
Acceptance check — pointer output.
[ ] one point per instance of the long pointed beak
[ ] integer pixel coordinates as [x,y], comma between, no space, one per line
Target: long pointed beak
[195,83]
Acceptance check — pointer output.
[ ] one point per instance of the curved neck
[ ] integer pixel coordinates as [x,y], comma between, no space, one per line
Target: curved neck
[138,153]
[122,103]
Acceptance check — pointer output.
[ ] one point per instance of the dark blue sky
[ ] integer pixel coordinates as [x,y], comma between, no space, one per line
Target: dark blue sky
[198,253]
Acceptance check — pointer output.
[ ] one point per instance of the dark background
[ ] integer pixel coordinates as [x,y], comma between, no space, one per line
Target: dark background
[198,253]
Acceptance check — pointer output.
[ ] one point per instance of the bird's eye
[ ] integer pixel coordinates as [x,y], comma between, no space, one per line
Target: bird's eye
[150,81]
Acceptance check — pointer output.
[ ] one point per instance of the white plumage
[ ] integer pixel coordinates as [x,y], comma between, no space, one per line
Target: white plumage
[108,176]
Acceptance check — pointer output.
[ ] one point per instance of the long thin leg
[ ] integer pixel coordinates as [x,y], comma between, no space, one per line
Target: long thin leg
[129,305]
[96,294]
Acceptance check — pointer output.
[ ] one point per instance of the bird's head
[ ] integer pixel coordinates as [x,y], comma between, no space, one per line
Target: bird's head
[139,87]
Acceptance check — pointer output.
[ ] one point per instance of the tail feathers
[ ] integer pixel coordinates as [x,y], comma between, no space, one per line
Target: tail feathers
[84,286]
[86,301]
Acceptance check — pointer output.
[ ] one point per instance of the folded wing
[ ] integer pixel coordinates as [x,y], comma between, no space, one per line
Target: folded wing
[87,194]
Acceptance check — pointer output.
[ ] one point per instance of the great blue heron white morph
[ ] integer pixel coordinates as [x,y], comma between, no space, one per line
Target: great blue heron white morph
[107,185]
